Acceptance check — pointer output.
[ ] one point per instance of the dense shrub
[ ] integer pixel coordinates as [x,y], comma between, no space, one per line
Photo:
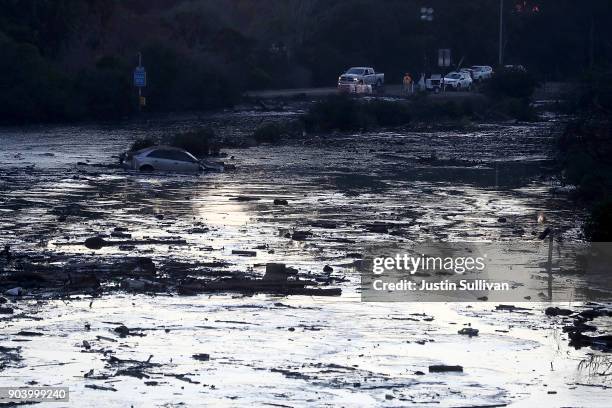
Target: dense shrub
[142,144]
[598,227]
[516,108]
[511,83]
[338,112]
[341,112]
[201,142]
[32,88]
[104,91]
[387,113]
[596,91]
[268,132]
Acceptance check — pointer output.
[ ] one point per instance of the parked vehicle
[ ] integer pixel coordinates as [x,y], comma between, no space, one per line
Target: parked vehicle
[165,158]
[360,76]
[481,72]
[434,83]
[515,68]
[469,71]
[458,81]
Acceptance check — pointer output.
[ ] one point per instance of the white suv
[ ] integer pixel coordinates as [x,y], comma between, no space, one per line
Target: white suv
[481,72]
[458,80]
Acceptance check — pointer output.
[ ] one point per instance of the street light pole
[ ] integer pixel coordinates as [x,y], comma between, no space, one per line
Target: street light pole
[501,31]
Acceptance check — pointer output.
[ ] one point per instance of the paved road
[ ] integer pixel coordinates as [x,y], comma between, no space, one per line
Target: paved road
[390,90]
[548,90]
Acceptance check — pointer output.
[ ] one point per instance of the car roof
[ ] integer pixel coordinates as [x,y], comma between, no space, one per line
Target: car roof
[360,68]
[160,147]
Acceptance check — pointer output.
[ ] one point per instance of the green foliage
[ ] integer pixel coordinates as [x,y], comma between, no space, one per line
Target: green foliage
[509,92]
[32,89]
[142,144]
[104,92]
[598,227]
[596,90]
[341,112]
[269,132]
[336,112]
[177,82]
[201,142]
[516,108]
[585,153]
[511,83]
[203,54]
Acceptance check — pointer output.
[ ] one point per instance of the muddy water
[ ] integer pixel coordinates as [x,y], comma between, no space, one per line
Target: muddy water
[293,351]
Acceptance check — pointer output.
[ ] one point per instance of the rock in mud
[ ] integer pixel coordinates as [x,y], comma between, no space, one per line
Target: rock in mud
[510,308]
[442,368]
[578,340]
[557,311]
[83,281]
[122,331]
[6,310]
[201,356]
[3,300]
[26,333]
[468,331]
[323,224]
[591,314]
[100,387]
[378,228]
[278,272]
[119,234]
[579,327]
[301,235]
[143,264]
[244,253]
[95,242]
[328,269]
[140,285]
[245,198]
[280,201]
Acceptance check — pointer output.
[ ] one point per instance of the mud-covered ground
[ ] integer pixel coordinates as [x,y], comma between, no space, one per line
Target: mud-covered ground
[60,185]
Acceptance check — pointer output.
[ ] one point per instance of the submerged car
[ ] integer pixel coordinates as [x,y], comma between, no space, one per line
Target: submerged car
[165,158]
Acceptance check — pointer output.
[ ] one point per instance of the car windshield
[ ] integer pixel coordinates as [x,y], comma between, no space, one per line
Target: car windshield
[453,76]
[356,71]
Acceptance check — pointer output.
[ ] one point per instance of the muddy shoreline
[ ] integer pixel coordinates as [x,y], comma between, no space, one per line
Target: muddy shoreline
[120,326]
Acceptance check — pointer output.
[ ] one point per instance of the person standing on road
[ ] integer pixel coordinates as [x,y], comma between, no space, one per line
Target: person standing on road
[408,83]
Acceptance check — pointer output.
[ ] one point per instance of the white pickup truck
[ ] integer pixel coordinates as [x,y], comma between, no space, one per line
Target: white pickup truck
[360,76]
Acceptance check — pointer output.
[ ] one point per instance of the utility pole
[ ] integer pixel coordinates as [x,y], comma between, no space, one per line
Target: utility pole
[427,16]
[501,32]
[140,87]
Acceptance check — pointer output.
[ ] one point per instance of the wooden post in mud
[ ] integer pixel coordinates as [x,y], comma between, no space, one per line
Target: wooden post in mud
[549,265]
[496,176]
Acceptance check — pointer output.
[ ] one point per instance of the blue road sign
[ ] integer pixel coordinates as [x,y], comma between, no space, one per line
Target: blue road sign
[140,77]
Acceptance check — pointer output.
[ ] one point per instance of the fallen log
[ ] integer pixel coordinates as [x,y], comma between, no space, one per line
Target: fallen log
[251,286]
